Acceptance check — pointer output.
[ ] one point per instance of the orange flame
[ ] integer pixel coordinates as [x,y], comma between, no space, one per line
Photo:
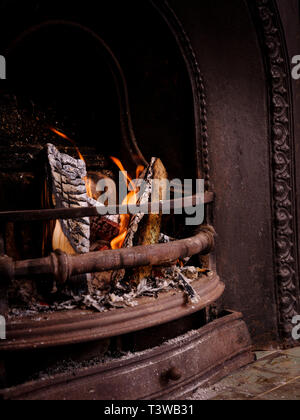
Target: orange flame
[88,186]
[62,135]
[131,198]
[139,171]
[87,180]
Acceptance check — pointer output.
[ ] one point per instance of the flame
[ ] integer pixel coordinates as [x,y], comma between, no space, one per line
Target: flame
[88,185]
[62,135]
[131,198]
[87,180]
[139,171]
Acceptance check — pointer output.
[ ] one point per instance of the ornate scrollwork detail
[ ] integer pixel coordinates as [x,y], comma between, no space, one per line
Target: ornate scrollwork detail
[282,158]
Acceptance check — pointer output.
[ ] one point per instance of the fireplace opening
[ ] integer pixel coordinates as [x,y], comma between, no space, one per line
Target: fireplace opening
[73,94]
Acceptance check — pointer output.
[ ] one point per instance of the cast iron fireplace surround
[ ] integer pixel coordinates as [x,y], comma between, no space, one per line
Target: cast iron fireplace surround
[241,144]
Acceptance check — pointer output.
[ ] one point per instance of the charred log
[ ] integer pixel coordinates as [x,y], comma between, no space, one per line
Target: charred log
[69,190]
[144,198]
[150,228]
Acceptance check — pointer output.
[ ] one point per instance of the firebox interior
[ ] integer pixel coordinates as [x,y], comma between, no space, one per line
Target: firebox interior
[59,77]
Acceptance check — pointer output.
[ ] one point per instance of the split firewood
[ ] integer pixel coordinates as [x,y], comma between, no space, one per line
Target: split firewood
[144,199]
[150,228]
[70,186]
[67,180]
[145,229]
[66,187]
[103,228]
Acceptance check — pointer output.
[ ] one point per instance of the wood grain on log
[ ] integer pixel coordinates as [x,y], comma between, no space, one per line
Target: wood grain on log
[69,190]
[150,227]
[144,198]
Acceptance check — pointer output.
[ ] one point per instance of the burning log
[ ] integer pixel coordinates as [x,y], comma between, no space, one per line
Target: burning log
[103,228]
[138,233]
[144,199]
[67,178]
[150,228]
[69,190]
[72,188]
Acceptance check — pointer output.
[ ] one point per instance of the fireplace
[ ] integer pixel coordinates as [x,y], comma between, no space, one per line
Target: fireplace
[89,89]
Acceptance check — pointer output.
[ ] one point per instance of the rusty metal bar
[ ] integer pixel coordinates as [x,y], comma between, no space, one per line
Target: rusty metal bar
[78,212]
[63,266]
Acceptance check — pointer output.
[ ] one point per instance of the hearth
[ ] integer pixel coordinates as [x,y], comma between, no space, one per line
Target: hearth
[92,299]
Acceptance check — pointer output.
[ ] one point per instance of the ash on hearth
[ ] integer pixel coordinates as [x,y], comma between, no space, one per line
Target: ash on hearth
[123,294]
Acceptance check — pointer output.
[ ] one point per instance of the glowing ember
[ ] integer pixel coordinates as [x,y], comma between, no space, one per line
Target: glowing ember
[131,198]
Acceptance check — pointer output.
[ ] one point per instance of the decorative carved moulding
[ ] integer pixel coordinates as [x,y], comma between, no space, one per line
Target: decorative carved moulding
[282,162]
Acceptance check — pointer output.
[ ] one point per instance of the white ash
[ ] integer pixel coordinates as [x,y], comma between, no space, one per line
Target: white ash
[185,282]
[124,294]
[171,278]
[127,295]
[69,366]
[165,239]
[19,313]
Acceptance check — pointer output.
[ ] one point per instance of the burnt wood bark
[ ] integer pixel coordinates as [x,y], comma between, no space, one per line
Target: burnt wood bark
[68,189]
[135,220]
[144,199]
[150,229]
